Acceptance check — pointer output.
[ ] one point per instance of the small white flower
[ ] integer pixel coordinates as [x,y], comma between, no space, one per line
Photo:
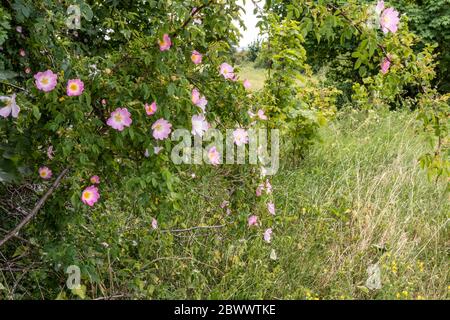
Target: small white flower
[157,150]
[273,255]
[374,280]
[154,224]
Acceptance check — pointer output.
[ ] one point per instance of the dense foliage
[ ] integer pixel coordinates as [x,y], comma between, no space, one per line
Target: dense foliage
[430,20]
[376,60]
[101,101]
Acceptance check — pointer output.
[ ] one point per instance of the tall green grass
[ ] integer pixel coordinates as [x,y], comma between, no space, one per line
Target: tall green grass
[358,198]
[256,76]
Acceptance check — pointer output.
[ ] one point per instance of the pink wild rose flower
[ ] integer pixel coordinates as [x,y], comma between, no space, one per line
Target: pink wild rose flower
[227,71]
[95,179]
[150,109]
[271,208]
[389,20]
[199,101]
[261,115]
[161,129]
[196,57]
[10,106]
[119,119]
[268,235]
[199,125]
[75,87]
[214,156]
[247,84]
[259,190]
[240,137]
[165,43]
[154,224]
[90,195]
[268,186]
[46,81]
[385,65]
[252,221]
[45,173]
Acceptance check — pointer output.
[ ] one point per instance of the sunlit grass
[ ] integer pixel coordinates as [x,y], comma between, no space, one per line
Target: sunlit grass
[256,76]
[358,198]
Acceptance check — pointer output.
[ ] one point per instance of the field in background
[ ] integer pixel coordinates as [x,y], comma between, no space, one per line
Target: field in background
[256,76]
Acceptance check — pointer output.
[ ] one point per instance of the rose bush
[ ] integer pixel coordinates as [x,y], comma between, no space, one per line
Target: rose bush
[103,100]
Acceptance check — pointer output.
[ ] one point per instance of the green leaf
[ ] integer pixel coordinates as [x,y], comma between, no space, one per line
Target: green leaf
[80,291]
[86,12]
[36,112]
[7,74]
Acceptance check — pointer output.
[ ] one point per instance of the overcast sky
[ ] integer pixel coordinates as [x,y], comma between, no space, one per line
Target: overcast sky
[251,34]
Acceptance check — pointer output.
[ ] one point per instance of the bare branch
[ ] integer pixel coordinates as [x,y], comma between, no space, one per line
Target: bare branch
[35,210]
[191,16]
[13,85]
[346,17]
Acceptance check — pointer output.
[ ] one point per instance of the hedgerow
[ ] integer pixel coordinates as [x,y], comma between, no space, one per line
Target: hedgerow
[88,114]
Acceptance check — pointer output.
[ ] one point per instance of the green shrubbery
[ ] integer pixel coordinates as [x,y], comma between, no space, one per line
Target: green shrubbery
[111,94]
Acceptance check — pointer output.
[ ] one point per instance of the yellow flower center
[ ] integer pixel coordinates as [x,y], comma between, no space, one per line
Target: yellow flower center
[43,173]
[158,127]
[73,87]
[44,81]
[118,117]
[87,195]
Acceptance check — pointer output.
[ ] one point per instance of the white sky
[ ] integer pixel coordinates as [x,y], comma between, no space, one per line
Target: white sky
[250,20]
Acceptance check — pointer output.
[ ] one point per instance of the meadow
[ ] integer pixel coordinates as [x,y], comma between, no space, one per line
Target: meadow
[99,199]
[358,198]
